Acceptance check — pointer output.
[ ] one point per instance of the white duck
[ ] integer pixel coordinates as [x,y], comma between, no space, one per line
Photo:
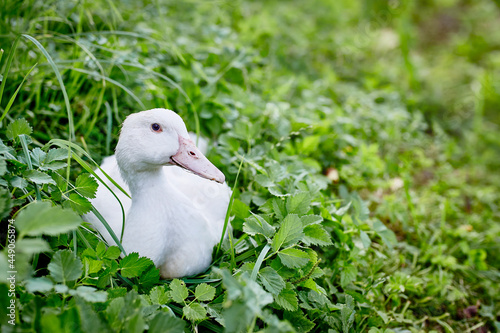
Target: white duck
[175,217]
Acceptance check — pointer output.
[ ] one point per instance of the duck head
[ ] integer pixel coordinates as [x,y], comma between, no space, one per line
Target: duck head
[158,137]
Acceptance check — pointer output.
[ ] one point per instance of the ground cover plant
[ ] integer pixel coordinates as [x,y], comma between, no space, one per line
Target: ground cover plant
[361,141]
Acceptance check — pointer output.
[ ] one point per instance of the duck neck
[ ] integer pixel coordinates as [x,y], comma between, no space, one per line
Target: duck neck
[150,184]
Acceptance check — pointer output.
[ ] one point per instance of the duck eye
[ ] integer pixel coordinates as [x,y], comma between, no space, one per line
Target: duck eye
[156,127]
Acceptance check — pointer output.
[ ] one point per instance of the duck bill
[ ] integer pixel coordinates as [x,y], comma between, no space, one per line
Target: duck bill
[189,157]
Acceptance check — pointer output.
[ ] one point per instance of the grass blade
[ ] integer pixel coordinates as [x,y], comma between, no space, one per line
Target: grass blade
[259,261]
[61,84]
[7,108]
[7,66]
[64,144]
[24,144]
[110,80]
[86,166]
[226,221]
[109,127]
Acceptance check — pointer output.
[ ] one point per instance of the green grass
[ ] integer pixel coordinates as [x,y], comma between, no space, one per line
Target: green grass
[373,128]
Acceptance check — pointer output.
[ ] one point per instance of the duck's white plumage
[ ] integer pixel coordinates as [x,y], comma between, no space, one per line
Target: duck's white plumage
[175,217]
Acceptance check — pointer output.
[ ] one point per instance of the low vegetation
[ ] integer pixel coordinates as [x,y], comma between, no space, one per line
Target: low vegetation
[361,140]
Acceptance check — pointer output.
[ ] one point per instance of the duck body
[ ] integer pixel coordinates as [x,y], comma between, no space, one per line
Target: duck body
[174,217]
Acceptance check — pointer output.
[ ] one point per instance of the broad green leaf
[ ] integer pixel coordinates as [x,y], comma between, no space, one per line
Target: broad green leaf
[125,314]
[311,219]
[178,291]
[18,127]
[237,317]
[149,277]
[132,265]
[5,202]
[89,319]
[386,234]
[204,292]
[194,312]
[316,235]
[365,239]
[277,171]
[247,289]
[65,266]
[78,203]
[361,210]
[263,180]
[347,313]
[18,182]
[271,280]
[158,295]
[100,249]
[38,177]
[86,185]
[287,299]
[299,321]
[240,209]
[113,252]
[41,285]
[37,156]
[91,266]
[310,143]
[289,233]
[41,218]
[53,166]
[309,283]
[347,275]
[3,166]
[293,258]
[90,294]
[4,267]
[279,208]
[56,154]
[51,323]
[256,224]
[298,203]
[165,323]
[32,245]
[61,288]
[342,210]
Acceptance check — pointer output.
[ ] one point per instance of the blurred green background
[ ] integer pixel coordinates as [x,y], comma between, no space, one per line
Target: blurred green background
[395,103]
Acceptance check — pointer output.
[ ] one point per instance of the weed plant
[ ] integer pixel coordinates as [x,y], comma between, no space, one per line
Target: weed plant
[361,139]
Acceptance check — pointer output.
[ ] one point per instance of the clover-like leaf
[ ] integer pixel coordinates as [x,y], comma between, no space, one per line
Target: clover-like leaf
[132,265]
[271,280]
[287,299]
[315,234]
[204,292]
[194,312]
[298,203]
[293,258]
[86,185]
[289,233]
[56,154]
[347,275]
[41,284]
[41,218]
[78,203]
[65,266]
[256,224]
[38,177]
[90,294]
[178,291]
[158,295]
[18,127]
[165,323]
